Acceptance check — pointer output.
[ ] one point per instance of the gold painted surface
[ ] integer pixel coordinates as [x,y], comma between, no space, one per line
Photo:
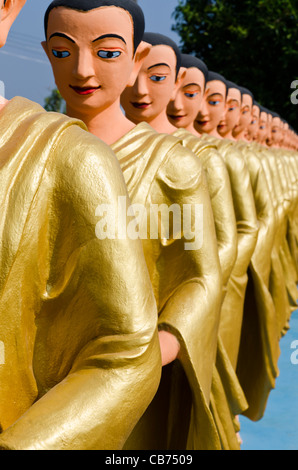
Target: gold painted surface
[292,218]
[78,316]
[277,284]
[283,288]
[247,233]
[221,199]
[187,287]
[290,195]
[227,397]
[257,366]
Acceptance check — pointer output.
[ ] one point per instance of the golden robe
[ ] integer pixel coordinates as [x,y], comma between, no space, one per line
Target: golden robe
[293,216]
[284,284]
[247,233]
[221,200]
[78,317]
[289,198]
[227,398]
[277,284]
[187,286]
[259,351]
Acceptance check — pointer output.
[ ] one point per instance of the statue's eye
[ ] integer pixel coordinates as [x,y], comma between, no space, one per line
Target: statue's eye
[108,54]
[157,78]
[60,54]
[191,95]
[214,103]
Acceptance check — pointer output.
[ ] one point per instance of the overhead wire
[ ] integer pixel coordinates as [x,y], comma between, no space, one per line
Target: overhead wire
[24,46]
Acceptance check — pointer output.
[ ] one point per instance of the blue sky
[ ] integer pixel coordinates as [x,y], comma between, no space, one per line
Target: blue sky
[24,68]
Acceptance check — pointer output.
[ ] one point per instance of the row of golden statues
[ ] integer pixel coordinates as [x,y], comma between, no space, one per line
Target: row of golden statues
[130,342]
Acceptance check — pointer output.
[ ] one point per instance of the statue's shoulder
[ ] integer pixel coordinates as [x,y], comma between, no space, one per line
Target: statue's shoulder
[73,156]
[84,161]
[182,169]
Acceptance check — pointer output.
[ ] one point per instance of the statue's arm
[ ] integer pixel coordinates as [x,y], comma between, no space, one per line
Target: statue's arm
[116,373]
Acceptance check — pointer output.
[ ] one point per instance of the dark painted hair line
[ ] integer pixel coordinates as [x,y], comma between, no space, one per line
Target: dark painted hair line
[130,6]
[231,85]
[217,76]
[188,61]
[245,91]
[156,39]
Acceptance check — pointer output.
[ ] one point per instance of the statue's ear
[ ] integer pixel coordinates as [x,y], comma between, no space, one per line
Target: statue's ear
[9,11]
[180,77]
[44,45]
[140,55]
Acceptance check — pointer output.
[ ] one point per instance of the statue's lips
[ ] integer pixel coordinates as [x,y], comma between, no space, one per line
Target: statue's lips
[202,123]
[140,105]
[84,90]
[176,118]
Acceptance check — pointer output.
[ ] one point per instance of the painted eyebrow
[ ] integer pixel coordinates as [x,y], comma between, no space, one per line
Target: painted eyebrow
[215,94]
[192,84]
[61,35]
[110,36]
[159,65]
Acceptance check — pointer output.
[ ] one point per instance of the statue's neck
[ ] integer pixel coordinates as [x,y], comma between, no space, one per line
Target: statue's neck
[229,136]
[214,133]
[162,125]
[3,103]
[109,124]
[191,128]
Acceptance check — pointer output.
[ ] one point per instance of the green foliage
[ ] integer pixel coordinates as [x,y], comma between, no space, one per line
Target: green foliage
[55,102]
[251,42]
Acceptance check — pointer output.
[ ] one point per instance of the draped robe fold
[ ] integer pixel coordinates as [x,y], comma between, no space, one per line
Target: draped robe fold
[247,233]
[187,286]
[78,318]
[277,283]
[259,351]
[227,397]
[283,286]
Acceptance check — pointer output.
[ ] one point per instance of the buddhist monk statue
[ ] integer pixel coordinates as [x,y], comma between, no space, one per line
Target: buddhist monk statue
[80,358]
[94,55]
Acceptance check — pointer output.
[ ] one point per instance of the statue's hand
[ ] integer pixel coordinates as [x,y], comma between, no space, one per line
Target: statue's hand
[169,346]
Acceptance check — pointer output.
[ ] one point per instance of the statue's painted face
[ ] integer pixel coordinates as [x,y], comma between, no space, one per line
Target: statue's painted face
[92,55]
[212,108]
[154,86]
[183,109]
[246,114]
[263,126]
[2,39]
[1,9]
[232,114]
[253,127]
[276,131]
[9,10]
